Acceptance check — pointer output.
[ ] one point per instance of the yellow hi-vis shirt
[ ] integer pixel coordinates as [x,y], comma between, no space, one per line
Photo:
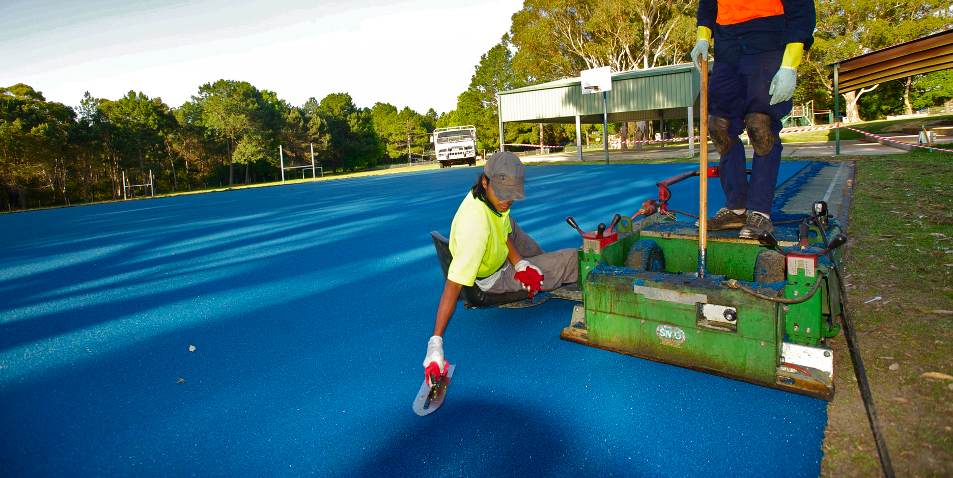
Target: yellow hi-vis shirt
[477,241]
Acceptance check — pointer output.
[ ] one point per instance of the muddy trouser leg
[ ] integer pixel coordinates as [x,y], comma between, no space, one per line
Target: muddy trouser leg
[726,93]
[763,122]
[560,267]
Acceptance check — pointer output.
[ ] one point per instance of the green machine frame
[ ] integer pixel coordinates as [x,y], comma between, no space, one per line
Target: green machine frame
[759,314]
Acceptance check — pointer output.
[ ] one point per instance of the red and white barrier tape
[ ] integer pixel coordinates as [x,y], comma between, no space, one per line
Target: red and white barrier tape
[645,141]
[883,139]
[657,141]
[536,146]
[805,129]
[802,129]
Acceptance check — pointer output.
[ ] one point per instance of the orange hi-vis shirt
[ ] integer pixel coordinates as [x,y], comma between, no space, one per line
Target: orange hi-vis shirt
[732,12]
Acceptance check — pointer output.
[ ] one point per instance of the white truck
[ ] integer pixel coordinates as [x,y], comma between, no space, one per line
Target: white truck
[455,145]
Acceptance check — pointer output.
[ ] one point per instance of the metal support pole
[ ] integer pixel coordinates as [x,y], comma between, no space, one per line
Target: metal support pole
[579,137]
[313,174]
[124,185]
[605,124]
[691,119]
[152,184]
[281,156]
[691,131]
[836,112]
[499,115]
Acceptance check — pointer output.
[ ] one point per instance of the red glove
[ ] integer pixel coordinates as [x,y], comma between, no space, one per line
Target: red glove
[530,276]
[435,366]
[433,372]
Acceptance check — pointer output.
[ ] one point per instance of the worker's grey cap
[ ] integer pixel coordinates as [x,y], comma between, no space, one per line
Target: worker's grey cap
[506,174]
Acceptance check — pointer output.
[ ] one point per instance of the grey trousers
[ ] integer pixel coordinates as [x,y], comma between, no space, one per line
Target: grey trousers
[560,267]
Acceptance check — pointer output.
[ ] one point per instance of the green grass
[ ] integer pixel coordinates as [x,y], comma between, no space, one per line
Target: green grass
[869,126]
[901,250]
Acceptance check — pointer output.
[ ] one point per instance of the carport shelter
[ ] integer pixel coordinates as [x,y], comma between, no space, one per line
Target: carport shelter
[667,92]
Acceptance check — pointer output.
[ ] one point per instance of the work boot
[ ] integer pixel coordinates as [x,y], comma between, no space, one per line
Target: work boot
[756,224]
[725,219]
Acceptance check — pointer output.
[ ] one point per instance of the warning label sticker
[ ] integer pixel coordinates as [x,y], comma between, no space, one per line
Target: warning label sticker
[797,263]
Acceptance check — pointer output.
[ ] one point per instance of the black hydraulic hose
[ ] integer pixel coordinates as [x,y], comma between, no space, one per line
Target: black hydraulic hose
[734,284]
[859,371]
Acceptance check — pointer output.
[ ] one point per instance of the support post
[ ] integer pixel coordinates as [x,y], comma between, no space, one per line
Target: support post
[313,173]
[124,185]
[540,138]
[605,124]
[499,116]
[691,131]
[152,184]
[579,137]
[836,112]
[691,119]
[281,156]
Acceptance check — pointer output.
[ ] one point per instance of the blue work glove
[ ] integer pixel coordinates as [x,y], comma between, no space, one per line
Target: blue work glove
[784,81]
[782,85]
[700,51]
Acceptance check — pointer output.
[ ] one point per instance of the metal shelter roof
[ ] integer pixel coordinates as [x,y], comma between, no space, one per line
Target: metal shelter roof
[924,55]
[636,95]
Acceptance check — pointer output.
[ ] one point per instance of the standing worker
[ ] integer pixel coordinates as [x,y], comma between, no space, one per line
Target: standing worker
[758,47]
[492,252]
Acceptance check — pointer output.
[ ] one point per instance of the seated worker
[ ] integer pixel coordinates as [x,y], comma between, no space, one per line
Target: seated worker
[490,250]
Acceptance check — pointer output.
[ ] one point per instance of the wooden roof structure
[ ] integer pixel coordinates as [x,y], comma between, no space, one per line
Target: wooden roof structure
[924,55]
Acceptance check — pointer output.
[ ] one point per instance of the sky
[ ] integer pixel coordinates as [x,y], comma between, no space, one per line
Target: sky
[416,53]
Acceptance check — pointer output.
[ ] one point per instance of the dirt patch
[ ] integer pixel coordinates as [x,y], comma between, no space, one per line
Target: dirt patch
[901,250]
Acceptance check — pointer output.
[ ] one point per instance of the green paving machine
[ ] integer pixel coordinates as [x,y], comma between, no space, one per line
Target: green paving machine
[755,310]
[761,311]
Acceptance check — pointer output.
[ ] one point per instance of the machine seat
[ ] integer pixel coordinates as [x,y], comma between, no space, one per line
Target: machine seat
[472,296]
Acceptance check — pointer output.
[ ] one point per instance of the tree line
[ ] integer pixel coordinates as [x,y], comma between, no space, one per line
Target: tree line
[229,132]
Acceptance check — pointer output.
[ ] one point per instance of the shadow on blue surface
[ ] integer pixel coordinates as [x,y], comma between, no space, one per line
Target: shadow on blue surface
[473,438]
[310,306]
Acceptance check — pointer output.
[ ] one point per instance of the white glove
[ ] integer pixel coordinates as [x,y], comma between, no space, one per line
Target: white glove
[434,363]
[782,85]
[524,264]
[700,50]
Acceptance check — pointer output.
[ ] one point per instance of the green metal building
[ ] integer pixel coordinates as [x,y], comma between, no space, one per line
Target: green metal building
[667,92]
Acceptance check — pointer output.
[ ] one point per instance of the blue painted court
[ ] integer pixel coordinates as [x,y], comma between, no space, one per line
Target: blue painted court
[309,307]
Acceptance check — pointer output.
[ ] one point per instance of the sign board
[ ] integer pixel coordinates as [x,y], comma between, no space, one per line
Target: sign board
[596,80]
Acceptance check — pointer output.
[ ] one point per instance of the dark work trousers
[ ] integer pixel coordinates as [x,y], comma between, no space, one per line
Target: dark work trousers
[734,90]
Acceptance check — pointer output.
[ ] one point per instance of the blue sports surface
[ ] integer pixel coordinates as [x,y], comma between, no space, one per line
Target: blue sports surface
[309,307]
